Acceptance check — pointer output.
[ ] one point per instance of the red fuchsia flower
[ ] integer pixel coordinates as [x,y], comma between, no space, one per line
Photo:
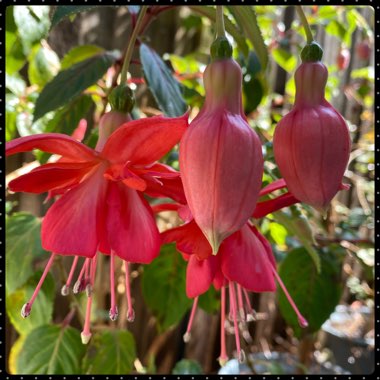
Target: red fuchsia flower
[343,59]
[312,142]
[101,205]
[220,157]
[245,263]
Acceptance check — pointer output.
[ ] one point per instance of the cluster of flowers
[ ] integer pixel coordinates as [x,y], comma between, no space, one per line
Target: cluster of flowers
[101,207]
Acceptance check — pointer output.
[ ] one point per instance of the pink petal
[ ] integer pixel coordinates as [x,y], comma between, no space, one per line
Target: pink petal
[131,227]
[189,240]
[50,176]
[56,143]
[144,141]
[245,261]
[166,188]
[72,224]
[200,275]
[275,185]
[267,207]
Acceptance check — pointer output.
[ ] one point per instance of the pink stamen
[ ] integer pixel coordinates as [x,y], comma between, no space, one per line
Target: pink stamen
[86,333]
[187,336]
[251,314]
[27,308]
[113,311]
[301,320]
[240,303]
[241,355]
[223,358]
[65,288]
[80,284]
[130,311]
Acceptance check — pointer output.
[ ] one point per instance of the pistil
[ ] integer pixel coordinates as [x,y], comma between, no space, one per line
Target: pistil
[113,313]
[187,335]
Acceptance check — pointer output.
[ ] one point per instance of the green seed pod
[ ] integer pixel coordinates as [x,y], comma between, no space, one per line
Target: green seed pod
[221,49]
[121,99]
[312,52]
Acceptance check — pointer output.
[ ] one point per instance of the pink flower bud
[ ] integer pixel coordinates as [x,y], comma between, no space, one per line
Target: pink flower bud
[363,50]
[343,59]
[220,157]
[312,142]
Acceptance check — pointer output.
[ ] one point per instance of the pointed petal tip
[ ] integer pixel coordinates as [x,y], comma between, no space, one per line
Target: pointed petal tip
[215,242]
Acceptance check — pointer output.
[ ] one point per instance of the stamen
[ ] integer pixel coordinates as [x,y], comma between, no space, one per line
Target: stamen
[113,311]
[130,311]
[187,335]
[240,303]
[223,358]
[66,288]
[251,314]
[301,320]
[236,328]
[80,284]
[86,333]
[27,308]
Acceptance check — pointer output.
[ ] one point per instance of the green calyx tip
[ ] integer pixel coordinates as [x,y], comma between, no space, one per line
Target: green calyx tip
[121,99]
[312,52]
[221,49]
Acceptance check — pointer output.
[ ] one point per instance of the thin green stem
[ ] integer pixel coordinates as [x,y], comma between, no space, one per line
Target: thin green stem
[305,24]
[220,31]
[131,45]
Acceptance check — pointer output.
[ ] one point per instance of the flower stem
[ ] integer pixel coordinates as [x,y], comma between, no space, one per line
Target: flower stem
[305,24]
[220,31]
[131,45]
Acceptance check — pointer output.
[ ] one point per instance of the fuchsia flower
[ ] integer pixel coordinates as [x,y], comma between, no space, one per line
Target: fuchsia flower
[101,207]
[244,263]
[312,142]
[220,157]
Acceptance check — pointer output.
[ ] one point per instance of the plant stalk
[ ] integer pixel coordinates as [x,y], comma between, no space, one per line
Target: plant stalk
[305,24]
[131,45]
[220,31]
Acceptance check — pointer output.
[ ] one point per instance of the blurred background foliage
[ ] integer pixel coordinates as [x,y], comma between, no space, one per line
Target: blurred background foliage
[61,62]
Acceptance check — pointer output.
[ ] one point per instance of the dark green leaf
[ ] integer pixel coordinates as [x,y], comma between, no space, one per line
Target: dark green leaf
[51,349]
[80,53]
[110,353]
[71,82]
[62,11]
[164,287]
[42,309]
[23,245]
[187,367]
[253,93]
[32,23]
[246,18]
[316,295]
[165,89]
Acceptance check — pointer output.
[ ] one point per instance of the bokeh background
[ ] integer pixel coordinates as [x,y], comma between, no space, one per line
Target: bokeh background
[338,301]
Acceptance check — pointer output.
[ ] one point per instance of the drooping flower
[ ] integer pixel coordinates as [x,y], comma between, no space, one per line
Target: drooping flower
[220,157]
[245,263]
[312,142]
[101,205]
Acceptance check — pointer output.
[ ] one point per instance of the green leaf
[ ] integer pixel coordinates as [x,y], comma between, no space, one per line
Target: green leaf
[164,287]
[62,12]
[14,353]
[335,28]
[278,233]
[43,65]
[42,310]
[247,19]
[51,349]
[316,295]
[80,53]
[285,59]
[32,23]
[71,82]
[110,352]
[231,29]
[23,245]
[187,367]
[164,87]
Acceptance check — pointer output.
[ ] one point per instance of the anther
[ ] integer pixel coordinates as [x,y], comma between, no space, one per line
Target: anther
[85,337]
[114,313]
[130,315]
[241,357]
[187,337]
[25,310]
[65,290]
